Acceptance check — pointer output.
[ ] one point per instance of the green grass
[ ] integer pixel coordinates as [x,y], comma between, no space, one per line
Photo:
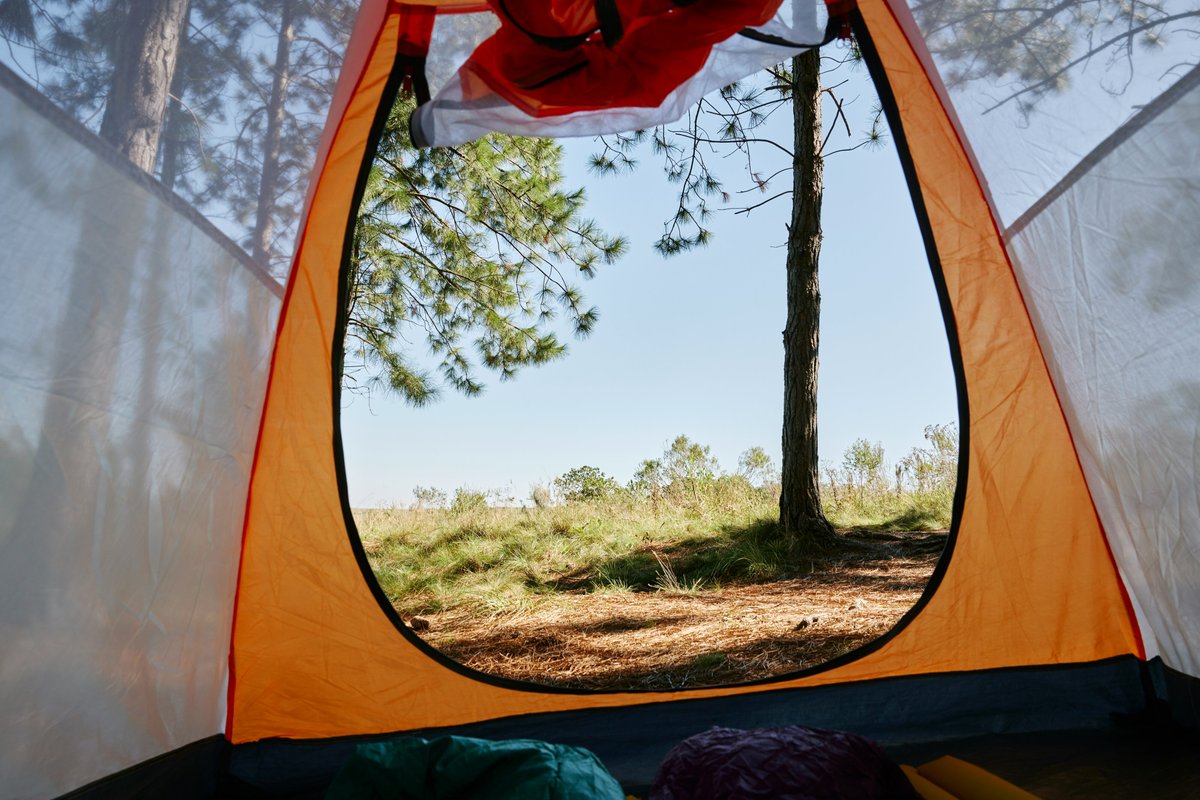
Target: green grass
[503,559]
[883,510]
[499,558]
[708,661]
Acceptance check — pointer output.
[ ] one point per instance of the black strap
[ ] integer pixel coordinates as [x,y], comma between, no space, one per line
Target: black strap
[414,68]
[608,18]
[832,29]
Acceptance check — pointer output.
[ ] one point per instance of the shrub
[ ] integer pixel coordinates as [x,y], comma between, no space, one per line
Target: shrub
[540,496]
[863,463]
[467,501]
[756,467]
[428,497]
[685,472]
[690,464]
[649,481]
[933,469]
[733,491]
[585,484]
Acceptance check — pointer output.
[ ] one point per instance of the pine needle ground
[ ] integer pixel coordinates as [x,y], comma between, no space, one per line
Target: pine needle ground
[629,597]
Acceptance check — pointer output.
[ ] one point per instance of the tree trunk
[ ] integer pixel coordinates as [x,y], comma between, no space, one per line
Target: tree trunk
[176,122]
[264,226]
[147,49]
[800,513]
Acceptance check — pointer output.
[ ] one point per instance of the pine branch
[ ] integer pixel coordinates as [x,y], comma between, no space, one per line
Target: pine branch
[1126,35]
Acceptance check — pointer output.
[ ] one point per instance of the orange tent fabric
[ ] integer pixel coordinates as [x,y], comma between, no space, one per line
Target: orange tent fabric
[1030,579]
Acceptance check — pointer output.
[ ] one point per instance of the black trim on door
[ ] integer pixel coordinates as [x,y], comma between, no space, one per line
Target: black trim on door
[887,99]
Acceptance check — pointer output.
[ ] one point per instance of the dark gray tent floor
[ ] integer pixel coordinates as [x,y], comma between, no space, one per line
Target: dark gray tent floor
[1053,765]
[1080,764]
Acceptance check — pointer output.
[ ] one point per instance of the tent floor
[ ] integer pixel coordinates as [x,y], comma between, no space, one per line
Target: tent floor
[1092,764]
[1080,764]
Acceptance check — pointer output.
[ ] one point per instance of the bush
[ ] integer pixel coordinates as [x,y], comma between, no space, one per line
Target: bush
[689,464]
[467,501]
[933,469]
[685,472]
[429,497]
[649,481]
[756,467]
[540,496]
[585,484]
[863,463]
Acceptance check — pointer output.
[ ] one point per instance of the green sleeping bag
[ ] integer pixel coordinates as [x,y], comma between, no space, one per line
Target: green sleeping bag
[459,768]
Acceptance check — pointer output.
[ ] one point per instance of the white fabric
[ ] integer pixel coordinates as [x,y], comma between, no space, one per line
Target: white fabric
[448,119]
[1111,272]
[133,355]
[1109,267]
[1026,142]
[223,85]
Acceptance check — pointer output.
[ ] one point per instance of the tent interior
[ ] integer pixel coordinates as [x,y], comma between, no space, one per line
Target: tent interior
[187,608]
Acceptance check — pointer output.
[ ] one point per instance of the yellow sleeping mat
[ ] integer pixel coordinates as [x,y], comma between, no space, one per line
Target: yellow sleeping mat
[950,778]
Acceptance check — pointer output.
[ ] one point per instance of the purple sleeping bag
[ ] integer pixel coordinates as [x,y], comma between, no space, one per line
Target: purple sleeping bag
[781,764]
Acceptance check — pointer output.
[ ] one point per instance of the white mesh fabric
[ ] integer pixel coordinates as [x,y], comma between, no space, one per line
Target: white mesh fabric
[1037,86]
[239,69]
[1085,121]
[1111,271]
[133,354]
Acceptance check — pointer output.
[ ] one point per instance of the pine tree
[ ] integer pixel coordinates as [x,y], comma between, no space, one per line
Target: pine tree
[146,51]
[1023,52]
[1028,50]
[731,120]
[472,249]
[227,111]
[800,513]
[281,102]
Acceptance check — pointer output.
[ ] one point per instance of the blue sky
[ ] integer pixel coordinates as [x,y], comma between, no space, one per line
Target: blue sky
[692,344]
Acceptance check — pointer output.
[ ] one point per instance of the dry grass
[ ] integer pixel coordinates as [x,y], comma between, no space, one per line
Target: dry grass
[674,639]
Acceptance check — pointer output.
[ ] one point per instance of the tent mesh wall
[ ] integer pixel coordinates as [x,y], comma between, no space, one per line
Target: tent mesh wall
[172,480]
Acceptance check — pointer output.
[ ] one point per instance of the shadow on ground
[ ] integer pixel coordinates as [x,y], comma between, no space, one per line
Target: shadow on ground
[739,555]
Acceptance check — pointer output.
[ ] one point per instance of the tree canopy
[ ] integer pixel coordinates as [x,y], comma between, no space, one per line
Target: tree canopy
[231,114]
[1024,52]
[470,254]
[473,250]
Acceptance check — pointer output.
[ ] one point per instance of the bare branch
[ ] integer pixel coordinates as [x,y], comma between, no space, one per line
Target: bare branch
[748,209]
[1125,35]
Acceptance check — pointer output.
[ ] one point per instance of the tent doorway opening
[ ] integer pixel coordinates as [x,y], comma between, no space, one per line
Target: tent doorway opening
[608,518]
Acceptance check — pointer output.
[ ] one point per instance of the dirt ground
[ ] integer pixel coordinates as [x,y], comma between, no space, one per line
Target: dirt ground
[663,640]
